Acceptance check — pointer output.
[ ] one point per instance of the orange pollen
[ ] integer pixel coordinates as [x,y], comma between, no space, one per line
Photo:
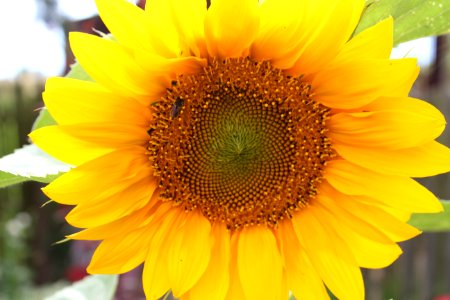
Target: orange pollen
[241,141]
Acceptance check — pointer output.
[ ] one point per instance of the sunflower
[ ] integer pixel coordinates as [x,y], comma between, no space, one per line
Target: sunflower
[244,150]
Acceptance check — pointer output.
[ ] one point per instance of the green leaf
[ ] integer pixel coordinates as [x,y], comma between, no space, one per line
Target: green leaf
[90,288]
[7,179]
[77,72]
[412,18]
[44,119]
[433,222]
[39,166]
[29,163]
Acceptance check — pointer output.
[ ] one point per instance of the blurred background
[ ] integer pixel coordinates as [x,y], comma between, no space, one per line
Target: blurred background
[33,47]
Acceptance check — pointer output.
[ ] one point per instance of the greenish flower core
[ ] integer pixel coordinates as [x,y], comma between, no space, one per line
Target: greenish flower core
[241,141]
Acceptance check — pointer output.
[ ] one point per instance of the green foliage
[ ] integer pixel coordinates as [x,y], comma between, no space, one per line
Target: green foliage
[11,167]
[29,163]
[77,72]
[412,18]
[90,288]
[44,119]
[7,179]
[433,222]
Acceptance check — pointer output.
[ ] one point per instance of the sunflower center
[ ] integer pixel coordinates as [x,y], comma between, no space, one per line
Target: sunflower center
[241,141]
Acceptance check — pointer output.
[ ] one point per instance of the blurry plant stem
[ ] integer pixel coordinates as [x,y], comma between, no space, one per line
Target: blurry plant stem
[166,296]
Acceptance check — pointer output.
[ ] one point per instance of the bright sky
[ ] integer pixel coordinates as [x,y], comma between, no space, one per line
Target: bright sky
[28,44]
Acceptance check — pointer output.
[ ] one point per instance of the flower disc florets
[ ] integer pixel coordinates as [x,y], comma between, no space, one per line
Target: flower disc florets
[242,141]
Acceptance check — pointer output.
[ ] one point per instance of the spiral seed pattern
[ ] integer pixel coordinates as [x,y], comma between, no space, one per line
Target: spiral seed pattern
[241,141]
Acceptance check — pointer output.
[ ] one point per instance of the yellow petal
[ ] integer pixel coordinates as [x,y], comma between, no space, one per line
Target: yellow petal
[111,65]
[155,275]
[390,129]
[369,252]
[303,280]
[230,27]
[104,209]
[122,253]
[373,43]
[61,145]
[396,209]
[403,103]
[329,255]
[164,37]
[429,159]
[259,264]
[164,70]
[83,184]
[360,210]
[280,30]
[110,135]
[235,290]
[126,22]
[332,207]
[327,27]
[189,253]
[213,285]
[393,190]
[358,82]
[121,226]
[87,101]
[188,17]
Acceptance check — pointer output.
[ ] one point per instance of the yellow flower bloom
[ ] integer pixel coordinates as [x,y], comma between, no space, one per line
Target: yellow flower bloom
[244,150]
